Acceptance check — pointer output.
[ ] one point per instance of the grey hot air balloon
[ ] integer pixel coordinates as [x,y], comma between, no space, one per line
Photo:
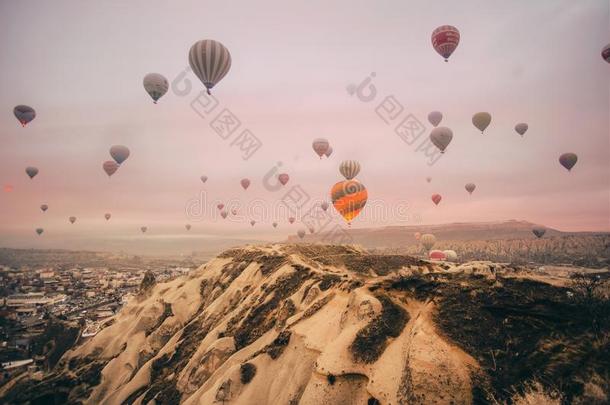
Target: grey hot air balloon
[39,231]
[31,171]
[24,114]
[119,153]
[44,207]
[329,151]
[245,183]
[470,187]
[441,138]
[324,205]
[72,220]
[204,178]
[110,167]
[349,169]
[539,232]
[521,128]
[320,146]
[210,61]
[428,240]
[156,85]
[144,229]
[301,233]
[283,178]
[107,216]
[188,227]
[606,53]
[481,120]
[435,118]
[568,160]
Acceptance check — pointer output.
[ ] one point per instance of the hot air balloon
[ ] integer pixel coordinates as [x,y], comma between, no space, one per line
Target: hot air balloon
[329,151]
[349,198]
[324,205]
[110,167]
[349,169]
[521,128]
[435,118]
[450,255]
[8,188]
[24,114]
[539,232]
[44,207]
[39,231]
[481,120]
[283,178]
[119,153]
[220,206]
[470,187]
[204,178]
[188,227]
[568,160]
[252,222]
[428,179]
[320,146]
[234,211]
[291,220]
[301,233]
[72,220]
[210,61]
[107,216]
[436,198]
[445,39]
[417,235]
[31,171]
[441,137]
[144,229]
[311,229]
[245,183]
[274,224]
[156,85]
[606,53]
[223,214]
[437,255]
[428,240]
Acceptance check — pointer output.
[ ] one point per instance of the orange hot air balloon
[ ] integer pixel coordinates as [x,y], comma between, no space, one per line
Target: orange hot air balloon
[349,198]
[436,198]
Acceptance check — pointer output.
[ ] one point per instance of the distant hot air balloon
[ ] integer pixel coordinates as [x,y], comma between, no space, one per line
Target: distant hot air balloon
[223,214]
[417,235]
[470,187]
[606,53]
[72,220]
[204,178]
[210,61]
[234,211]
[324,205]
[435,118]
[539,232]
[39,231]
[428,179]
[156,85]
[450,255]
[188,227]
[291,220]
[349,198]
[144,229]
[329,151]
[252,222]
[44,207]
[320,146]
[119,153]
[220,206]
[445,39]
[521,128]
[436,198]
[301,233]
[568,160]
[8,188]
[107,216]
[24,114]
[245,183]
[441,137]
[311,229]
[349,169]
[31,171]
[481,120]
[428,240]
[437,255]
[283,178]
[110,167]
[274,224]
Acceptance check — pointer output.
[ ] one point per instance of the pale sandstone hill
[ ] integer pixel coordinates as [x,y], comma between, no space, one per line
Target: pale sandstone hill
[313,324]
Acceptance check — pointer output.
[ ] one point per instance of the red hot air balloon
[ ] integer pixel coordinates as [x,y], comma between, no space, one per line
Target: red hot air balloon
[234,211]
[568,160]
[445,39]
[245,183]
[436,198]
[220,206]
[437,255]
[283,178]
[188,227]
[110,167]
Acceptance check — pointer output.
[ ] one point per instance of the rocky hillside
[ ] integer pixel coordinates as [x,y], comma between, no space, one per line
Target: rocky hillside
[314,324]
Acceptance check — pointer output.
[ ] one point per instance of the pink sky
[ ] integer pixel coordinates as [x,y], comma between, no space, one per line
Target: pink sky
[81,64]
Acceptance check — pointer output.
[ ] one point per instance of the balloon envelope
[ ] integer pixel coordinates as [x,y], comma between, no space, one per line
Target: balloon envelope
[441,137]
[417,235]
[110,167]
[283,178]
[39,231]
[44,207]
[252,222]
[436,198]
[24,114]
[156,85]
[274,224]
[245,183]
[437,255]
[481,120]
[320,146]
[301,233]
[470,187]
[349,198]
[210,61]
[445,40]
[539,232]
[435,118]
[220,206]
[31,171]
[223,214]
[72,220]
[606,53]
[119,153]
[428,240]
[568,160]
[349,169]
[521,128]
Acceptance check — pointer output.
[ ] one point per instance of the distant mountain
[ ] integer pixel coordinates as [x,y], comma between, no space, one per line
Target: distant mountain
[396,236]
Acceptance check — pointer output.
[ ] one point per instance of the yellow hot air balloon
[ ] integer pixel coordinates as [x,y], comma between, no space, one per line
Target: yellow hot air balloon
[349,198]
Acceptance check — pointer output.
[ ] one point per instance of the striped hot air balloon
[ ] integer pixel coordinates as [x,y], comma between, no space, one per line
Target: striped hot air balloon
[349,169]
[349,198]
[428,240]
[445,40]
[210,61]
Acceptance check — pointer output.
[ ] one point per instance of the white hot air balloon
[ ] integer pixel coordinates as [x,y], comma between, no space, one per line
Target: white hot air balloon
[210,61]
[349,169]
[156,85]
[441,137]
[435,118]
[450,255]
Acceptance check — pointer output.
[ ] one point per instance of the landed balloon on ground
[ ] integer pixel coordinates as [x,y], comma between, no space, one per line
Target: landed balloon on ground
[445,40]
[119,153]
[245,183]
[539,232]
[441,137]
[349,198]
[72,220]
[417,235]
[110,167]
[437,255]
[234,211]
[44,207]
[481,120]
[450,255]
[24,114]
[283,178]
[252,222]
[470,187]
[210,61]
[427,240]
[349,169]
[436,198]
[568,160]
[39,231]
[156,85]
[435,118]
[220,206]
[31,171]
[521,128]
[320,146]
